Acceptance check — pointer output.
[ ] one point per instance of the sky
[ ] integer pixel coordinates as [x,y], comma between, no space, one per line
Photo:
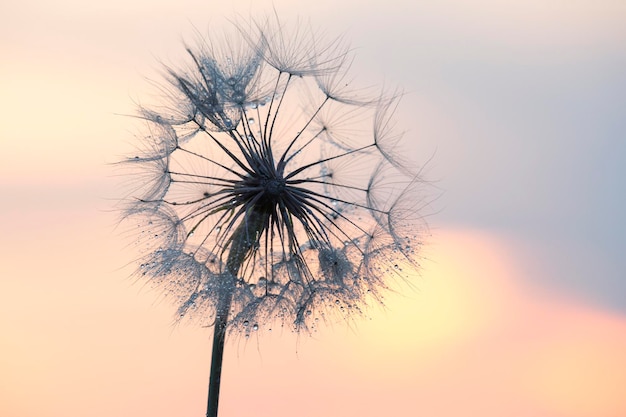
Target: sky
[514,108]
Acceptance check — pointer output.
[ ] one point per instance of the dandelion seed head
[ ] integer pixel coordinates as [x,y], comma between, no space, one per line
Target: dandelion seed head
[268,189]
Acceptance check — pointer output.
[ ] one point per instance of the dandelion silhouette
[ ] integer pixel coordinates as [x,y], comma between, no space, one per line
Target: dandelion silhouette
[267,191]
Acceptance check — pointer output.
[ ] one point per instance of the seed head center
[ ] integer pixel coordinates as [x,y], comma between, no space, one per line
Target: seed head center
[274,186]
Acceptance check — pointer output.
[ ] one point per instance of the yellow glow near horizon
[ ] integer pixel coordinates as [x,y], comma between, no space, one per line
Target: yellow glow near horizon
[451,303]
[475,326]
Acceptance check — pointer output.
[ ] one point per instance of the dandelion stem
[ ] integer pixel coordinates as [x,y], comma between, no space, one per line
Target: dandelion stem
[244,239]
[217,354]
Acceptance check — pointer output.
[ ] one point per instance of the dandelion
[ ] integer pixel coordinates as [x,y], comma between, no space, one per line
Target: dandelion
[267,190]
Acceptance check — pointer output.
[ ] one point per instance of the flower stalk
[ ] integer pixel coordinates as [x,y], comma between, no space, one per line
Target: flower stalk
[243,240]
[217,355]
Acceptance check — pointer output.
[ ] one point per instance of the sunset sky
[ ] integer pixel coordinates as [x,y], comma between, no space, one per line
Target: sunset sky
[517,110]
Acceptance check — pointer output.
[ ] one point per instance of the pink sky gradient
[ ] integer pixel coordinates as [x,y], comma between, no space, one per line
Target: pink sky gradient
[80,340]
